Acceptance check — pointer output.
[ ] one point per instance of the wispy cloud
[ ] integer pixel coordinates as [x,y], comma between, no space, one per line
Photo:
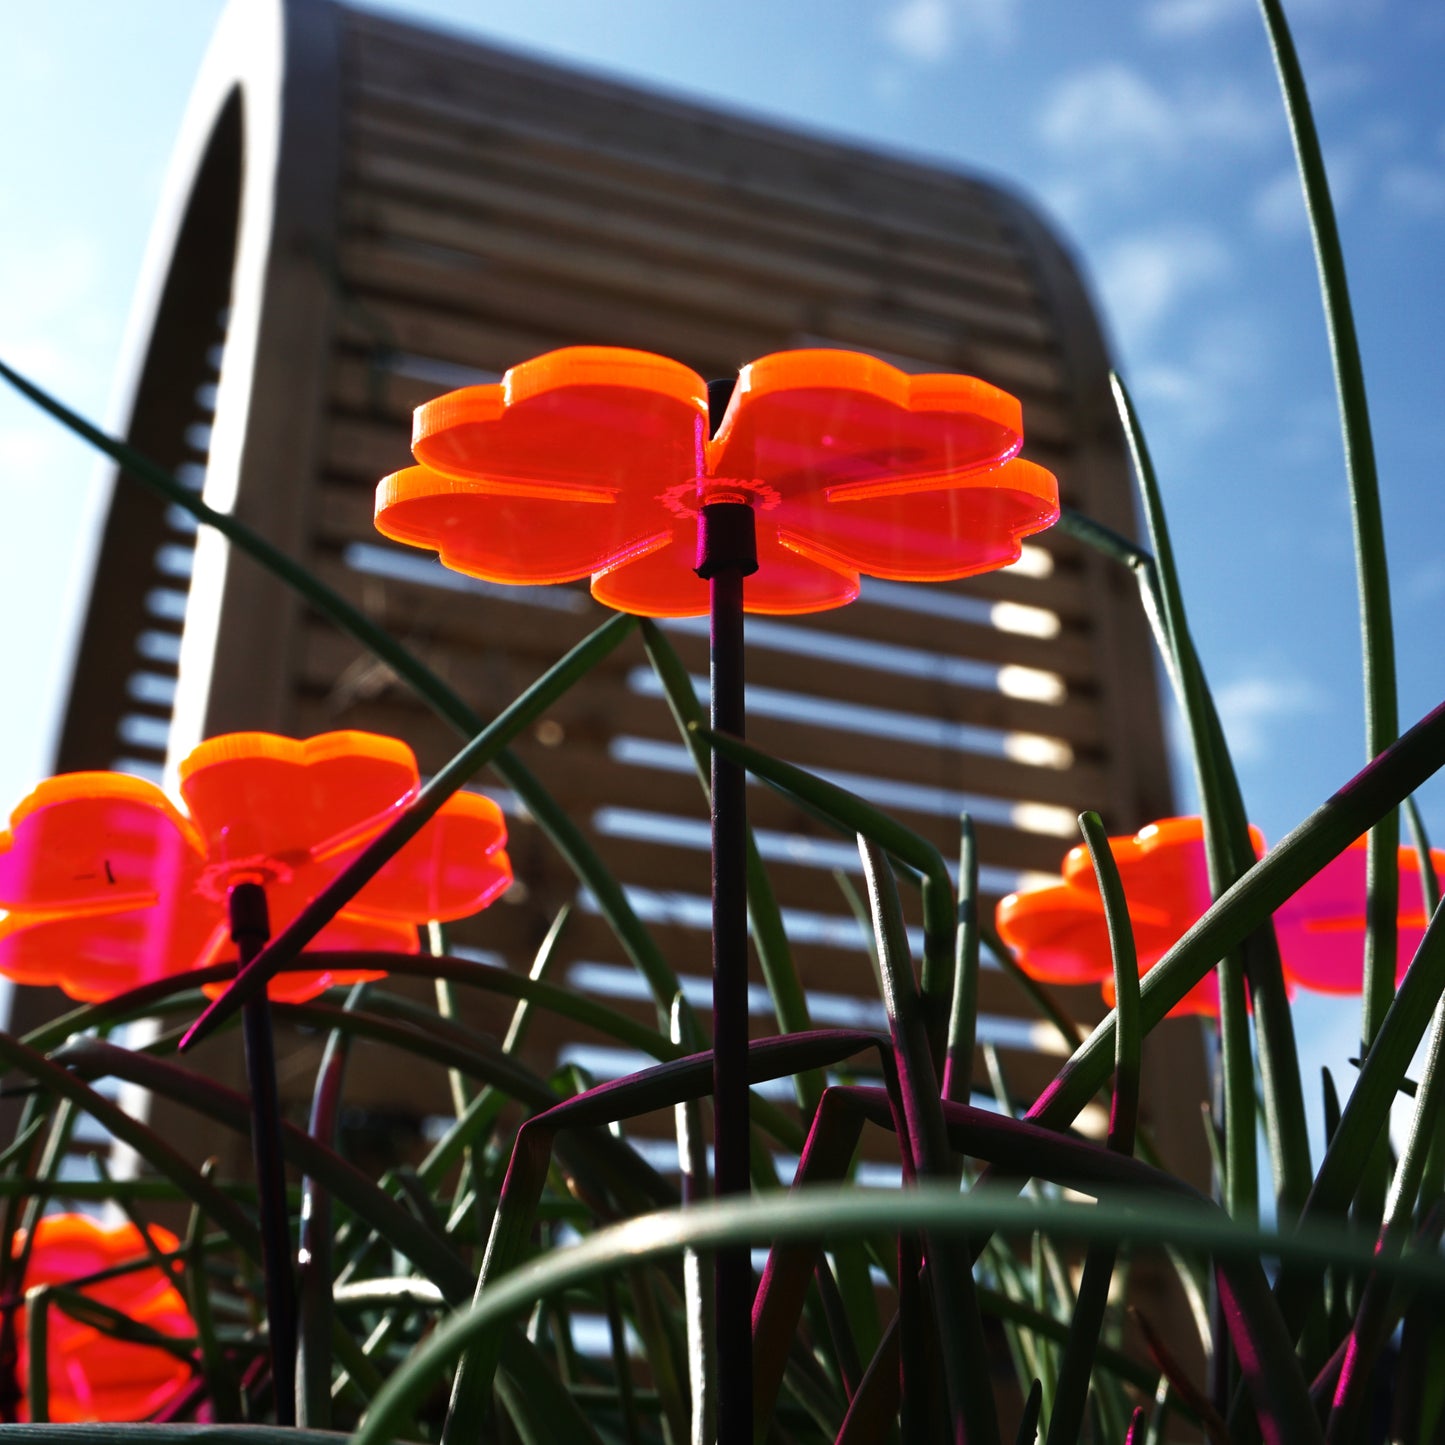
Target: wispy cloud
[927,32]
[1253,704]
[1120,123]
[1196,387]
[1144,277]
[1179,19]
[1103,106]
[1414,188]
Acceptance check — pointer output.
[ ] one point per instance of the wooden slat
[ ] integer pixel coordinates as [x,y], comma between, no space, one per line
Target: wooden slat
[462,206]
[326,655]
[497,342]
[767,165]
[508,271]
[588,776]
[418,609]
[394,131]
[601,710]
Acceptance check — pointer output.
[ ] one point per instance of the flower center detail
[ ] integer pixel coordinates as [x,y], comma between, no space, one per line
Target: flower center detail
[684,499]
[216,880]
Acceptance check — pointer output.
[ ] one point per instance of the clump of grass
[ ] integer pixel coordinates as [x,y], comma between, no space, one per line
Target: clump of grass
[443,1302]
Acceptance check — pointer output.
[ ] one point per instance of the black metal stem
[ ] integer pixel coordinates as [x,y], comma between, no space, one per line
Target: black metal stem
[726,554]
[250,929]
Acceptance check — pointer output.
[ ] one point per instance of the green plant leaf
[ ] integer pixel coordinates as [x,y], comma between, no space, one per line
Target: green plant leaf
[1382,879]
[949,1284]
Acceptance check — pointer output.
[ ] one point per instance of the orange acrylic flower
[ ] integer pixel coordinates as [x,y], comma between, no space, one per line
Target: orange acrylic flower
[1059,934]
[1322,928]
[92,1375]
[109,885]
[593,462]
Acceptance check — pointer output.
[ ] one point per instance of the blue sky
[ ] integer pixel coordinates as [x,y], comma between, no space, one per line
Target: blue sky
[1151,131]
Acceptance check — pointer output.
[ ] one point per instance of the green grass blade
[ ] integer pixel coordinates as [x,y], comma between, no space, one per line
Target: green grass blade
[1376,625]
[221,1209]
[963,1009]
[316,1269]
[432,1255]
[222,1388]
[1229,853]
[1086,1322]
[950,1285]
[855,1213]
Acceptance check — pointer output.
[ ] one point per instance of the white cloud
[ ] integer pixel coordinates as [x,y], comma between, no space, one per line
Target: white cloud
[1176,19]
[927,32]
[1414,189]
[1195,387]
[1278,208]
[1103,107]
[1144,277]
[1119,123]
[920,30]
[1250,705]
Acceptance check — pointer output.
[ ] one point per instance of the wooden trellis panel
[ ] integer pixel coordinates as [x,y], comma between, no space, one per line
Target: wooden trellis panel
[394,212]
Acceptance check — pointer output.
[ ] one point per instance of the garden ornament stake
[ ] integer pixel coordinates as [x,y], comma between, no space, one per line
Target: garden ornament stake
[626,468]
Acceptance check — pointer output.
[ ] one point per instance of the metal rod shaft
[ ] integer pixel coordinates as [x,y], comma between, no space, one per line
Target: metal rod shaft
[727,553]
[250,928]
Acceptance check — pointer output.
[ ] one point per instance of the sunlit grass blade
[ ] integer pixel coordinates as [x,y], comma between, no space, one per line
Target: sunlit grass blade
[1086,1321]
[854,1212]
[1382,721]
[950,1286]
[963,1008]
[1229,853]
